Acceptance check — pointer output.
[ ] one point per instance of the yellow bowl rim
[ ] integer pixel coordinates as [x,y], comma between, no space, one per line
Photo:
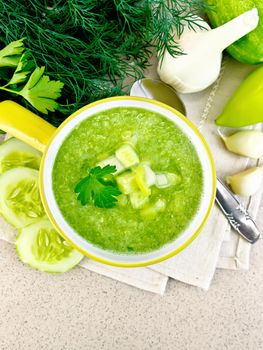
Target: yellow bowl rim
[153,261]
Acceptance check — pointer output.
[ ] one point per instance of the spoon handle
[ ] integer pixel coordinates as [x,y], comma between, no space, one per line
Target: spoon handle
[236,214]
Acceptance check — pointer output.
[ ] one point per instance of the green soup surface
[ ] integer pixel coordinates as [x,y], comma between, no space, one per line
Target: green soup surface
[157,142]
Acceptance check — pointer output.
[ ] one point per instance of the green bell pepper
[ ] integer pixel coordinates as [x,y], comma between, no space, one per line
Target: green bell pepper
[245,107]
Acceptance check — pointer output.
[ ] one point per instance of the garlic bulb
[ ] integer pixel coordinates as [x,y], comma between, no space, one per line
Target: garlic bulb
[200,66]
[246,183]
[248,143]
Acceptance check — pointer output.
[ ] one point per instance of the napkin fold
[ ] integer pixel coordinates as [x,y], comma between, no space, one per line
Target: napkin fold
[216,245]
[196,264]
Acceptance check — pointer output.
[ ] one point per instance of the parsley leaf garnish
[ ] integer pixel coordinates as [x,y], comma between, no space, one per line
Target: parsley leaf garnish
[94,189]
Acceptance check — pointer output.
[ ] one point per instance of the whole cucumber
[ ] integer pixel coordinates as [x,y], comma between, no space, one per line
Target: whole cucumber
[248,49]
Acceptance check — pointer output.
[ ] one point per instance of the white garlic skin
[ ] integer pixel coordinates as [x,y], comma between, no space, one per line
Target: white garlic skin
[190,72]
[246,183]
[200,65]
[248,143]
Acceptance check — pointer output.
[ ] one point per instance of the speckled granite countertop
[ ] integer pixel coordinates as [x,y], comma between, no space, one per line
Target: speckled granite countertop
[81,310]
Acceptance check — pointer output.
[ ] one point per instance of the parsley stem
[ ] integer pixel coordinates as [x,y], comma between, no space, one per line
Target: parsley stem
[9,90]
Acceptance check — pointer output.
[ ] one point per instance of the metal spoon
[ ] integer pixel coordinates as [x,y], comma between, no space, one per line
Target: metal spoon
[157,90]
[236,214]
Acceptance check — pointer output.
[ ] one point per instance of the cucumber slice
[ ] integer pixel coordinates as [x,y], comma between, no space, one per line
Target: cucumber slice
[20,202]
[14,153]
[41,247]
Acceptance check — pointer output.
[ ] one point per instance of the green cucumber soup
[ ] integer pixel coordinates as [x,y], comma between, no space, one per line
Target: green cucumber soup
[159,175]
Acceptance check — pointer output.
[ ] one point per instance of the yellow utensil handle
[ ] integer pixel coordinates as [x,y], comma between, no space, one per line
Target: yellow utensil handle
[25,125]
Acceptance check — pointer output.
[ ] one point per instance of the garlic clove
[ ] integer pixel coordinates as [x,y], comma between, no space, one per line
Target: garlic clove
[246,183]
[248,143]
[200,66]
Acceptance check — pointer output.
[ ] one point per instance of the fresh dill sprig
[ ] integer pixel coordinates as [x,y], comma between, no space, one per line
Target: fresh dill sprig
[169,17]
[93,46]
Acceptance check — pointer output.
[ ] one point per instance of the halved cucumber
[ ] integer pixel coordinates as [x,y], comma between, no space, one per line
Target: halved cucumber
[14,153]
[41,247]
[20,202]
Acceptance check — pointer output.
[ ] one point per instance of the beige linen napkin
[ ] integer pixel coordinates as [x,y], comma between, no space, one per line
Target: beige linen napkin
[197,263]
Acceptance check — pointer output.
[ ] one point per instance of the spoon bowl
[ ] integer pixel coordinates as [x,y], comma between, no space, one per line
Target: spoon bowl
[159,91]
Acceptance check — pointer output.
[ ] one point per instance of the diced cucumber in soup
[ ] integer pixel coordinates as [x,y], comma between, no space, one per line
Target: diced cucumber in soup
[138,199]
[127,156]
[149,174]
[152,210]
[164,180]
[112,161]
[127,183]
[141,179]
